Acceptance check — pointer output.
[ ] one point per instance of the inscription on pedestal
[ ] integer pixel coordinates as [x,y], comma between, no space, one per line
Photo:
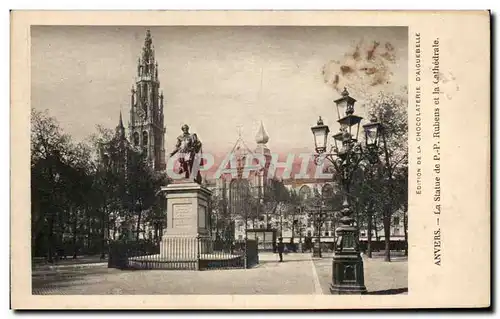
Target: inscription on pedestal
[182,215]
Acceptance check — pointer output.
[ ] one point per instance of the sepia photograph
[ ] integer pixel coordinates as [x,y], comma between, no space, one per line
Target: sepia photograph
[219,160]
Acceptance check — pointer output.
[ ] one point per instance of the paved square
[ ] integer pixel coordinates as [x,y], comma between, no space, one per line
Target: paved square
[298,274]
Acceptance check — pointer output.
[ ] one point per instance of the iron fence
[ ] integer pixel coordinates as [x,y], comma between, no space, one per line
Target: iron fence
[186,253]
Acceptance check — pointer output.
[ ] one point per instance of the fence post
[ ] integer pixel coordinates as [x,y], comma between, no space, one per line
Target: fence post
[198,245]
[256,251]
[245,255]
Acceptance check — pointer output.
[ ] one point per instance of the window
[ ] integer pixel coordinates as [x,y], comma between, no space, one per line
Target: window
[144,92]
[308,233]
[396,220]
[396,231]
[327,234]
[144,138]
[305,192]
[309,223]
[363,234]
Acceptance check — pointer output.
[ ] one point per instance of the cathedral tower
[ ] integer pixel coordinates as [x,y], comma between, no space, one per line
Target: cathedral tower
[146,127]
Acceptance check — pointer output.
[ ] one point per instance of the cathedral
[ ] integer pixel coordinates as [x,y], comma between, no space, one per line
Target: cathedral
[146,130]
[247,171]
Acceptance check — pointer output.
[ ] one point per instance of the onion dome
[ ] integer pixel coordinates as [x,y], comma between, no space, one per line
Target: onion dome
[261,137]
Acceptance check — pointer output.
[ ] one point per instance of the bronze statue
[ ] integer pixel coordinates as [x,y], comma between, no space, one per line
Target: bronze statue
[189,148]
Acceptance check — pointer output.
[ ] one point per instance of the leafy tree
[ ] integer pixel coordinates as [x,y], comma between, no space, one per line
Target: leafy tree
[391,111]
[60,184]
[80,191]
[276,199]
[293,211]
[222,221]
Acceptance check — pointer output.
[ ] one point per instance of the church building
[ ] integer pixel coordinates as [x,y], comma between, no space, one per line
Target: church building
[146,130]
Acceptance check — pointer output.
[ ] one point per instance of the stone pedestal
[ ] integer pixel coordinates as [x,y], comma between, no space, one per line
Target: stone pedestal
[188,221]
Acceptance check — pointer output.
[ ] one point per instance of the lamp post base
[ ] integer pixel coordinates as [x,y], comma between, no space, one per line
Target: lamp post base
[347,289]
[348,275]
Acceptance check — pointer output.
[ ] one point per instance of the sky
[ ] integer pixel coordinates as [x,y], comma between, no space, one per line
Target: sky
[218,80]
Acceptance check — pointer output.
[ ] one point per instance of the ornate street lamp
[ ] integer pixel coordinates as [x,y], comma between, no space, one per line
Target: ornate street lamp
[345,155]
[320,132]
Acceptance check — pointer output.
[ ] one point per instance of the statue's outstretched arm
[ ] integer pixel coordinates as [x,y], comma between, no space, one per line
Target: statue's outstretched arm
[177,146]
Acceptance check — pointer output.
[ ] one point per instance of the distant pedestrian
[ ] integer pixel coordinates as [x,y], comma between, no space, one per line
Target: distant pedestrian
[281,248]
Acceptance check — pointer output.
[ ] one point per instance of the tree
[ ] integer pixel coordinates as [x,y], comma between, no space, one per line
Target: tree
[293,209]
[391,111]
[81,174]
[401,199]
[276,198]
[60,184]
[222,220]
[156,218]
[370,200]
[110,185]
[80,191]
[48,147]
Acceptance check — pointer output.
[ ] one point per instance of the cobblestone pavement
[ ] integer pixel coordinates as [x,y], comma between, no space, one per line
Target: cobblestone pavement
[299,274]
[380,277]
[296,275]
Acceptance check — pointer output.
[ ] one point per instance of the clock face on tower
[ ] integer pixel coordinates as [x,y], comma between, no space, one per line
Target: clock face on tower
[141,113]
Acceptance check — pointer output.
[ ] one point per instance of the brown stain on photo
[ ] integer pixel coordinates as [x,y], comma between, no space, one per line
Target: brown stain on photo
[345,69]
[367,65]
[371,52]
[356,55]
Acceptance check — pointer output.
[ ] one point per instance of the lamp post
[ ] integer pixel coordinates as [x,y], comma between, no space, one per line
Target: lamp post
[318,214]
[348,274]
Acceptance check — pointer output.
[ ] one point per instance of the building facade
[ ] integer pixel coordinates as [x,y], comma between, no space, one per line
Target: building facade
[242,184]
[309,221]
[399,226]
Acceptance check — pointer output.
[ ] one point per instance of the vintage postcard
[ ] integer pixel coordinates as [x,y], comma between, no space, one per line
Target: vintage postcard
[250,160]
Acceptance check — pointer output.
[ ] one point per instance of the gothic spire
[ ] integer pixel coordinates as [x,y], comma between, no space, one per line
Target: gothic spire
[147,50]
[120,123]
[147,66]
[148,40]
[120,129]
[146,127]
